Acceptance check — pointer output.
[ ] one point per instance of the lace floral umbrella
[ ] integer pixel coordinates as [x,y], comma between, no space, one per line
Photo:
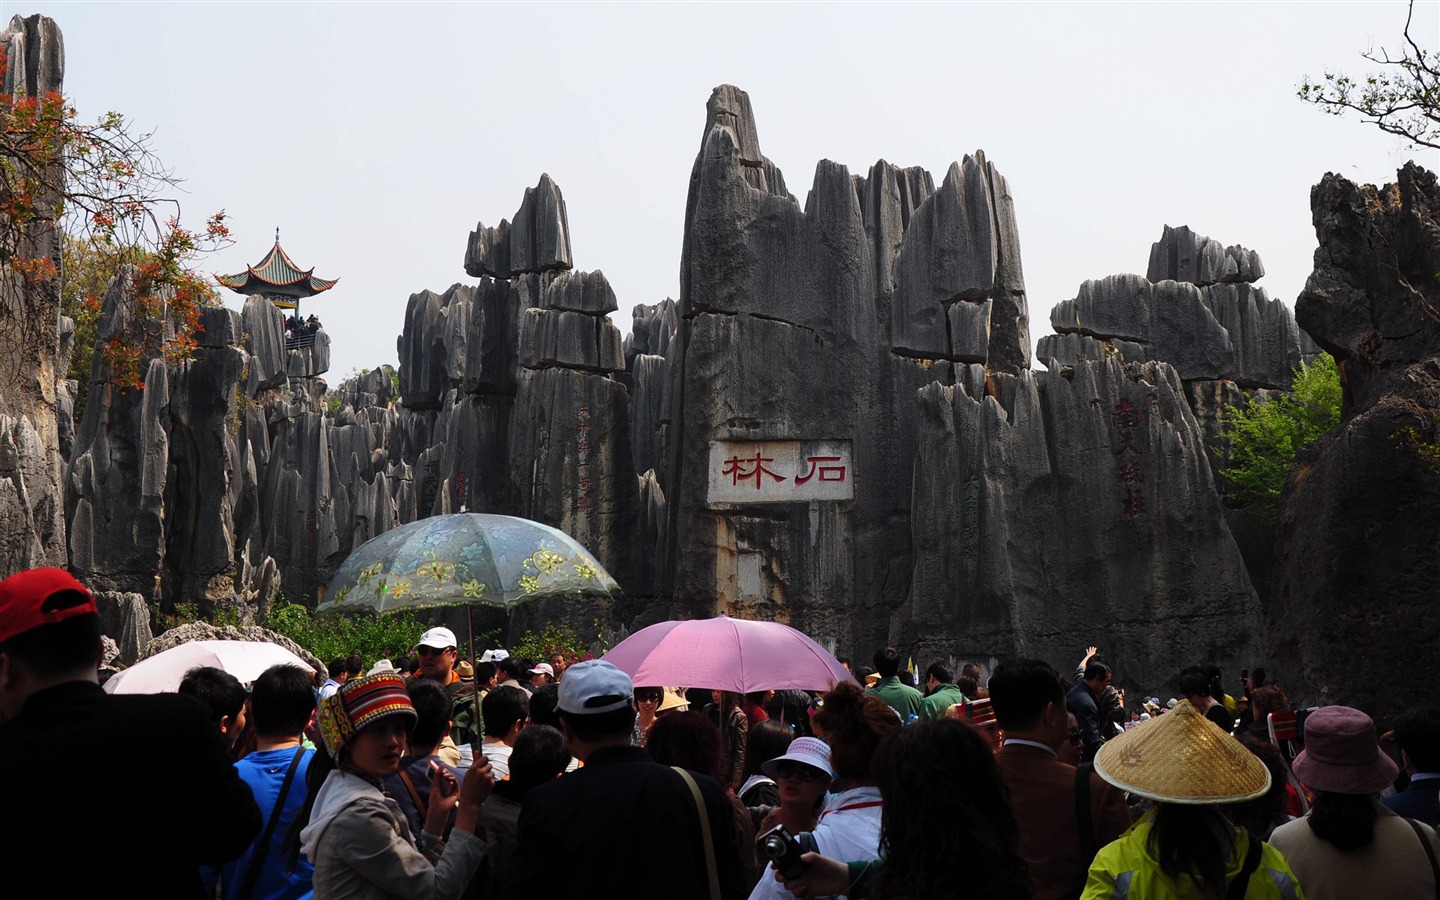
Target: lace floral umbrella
[465,559]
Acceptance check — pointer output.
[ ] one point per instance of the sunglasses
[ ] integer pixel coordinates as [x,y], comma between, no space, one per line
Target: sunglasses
[1075,736]
[799,771]
[431,651]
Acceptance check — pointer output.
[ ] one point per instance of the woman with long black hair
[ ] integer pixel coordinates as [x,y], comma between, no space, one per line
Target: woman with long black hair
[946,825]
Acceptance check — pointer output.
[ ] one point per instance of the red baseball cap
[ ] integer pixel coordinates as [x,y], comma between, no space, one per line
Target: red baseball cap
[23,596]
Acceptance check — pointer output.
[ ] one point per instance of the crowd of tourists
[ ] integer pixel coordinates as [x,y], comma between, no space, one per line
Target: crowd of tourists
[427,777]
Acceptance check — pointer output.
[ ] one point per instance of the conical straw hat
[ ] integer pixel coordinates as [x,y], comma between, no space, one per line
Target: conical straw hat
[1182,757]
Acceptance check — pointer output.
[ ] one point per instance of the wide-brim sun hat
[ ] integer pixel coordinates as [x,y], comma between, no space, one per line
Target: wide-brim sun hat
[1184,758]
[673,699]
[1342,754]
[813,752]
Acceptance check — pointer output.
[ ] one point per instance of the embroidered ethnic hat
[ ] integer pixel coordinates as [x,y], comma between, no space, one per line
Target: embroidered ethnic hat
[594,686]
[1182,757]
[26,600]
[359,702]
[813,752]
[1342,754]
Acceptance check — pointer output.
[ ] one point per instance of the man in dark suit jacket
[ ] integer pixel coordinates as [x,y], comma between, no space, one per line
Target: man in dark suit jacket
[1046,794]
[153,766]
[1417,732]
[622,825]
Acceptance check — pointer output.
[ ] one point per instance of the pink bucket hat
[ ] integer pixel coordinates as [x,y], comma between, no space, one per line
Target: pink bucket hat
[1342,754]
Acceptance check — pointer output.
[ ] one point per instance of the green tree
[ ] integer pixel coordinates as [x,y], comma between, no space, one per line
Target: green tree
[86,269]
[1265,435]
[1402,98]
[102,184]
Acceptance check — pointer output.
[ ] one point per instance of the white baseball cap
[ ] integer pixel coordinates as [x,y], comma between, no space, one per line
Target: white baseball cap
[543,669]
[441,638]
[494,655]
[594,686]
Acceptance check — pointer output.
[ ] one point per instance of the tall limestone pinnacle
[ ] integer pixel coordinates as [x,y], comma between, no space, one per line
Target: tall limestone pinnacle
[35,342]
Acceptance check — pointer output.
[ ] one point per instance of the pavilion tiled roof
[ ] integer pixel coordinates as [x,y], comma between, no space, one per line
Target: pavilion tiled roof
[276,273]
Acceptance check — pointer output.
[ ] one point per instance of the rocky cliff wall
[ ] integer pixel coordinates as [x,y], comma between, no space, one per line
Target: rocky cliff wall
[1355,612]
[35,400]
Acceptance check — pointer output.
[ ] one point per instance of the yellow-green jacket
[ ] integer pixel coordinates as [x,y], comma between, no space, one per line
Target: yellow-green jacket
[1128,870]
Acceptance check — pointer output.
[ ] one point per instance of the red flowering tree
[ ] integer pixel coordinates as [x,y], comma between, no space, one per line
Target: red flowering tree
[103,185]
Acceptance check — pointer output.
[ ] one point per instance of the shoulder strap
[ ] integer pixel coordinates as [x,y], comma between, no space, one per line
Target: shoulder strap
[262,849]
[421,806]
[710,870]
[1084,817]
[1429,852]
[1241,884]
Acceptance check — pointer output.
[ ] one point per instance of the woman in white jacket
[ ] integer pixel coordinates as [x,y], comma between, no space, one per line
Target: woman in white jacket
[354,834]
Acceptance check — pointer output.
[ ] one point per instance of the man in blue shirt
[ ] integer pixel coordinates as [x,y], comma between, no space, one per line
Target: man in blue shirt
[1417,732]
[282,702]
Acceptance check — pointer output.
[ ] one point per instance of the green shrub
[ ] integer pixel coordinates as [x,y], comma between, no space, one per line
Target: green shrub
[541,644]
[366,636]
[1265,436]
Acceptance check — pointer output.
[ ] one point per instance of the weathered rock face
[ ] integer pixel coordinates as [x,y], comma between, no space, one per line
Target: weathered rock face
[34,398]
[1183,255]
[127,617]
[815,324]
[1360,513]
[1048,508]
[1170,320]
[538,240]
[1224,336]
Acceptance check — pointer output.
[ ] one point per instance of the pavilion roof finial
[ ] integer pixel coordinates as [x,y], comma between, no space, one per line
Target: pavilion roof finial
[277,278]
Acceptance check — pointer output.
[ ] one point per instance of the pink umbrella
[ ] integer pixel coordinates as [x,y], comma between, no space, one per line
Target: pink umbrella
[727,654]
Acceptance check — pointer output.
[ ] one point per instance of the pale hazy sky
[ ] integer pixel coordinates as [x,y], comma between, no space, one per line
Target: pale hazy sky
[376,135]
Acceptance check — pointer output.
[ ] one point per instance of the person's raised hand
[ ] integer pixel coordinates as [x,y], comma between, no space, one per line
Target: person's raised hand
[823,876]
[479,782]
[444,791]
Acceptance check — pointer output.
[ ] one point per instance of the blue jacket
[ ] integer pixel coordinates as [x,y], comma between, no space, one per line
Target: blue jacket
[1420,801]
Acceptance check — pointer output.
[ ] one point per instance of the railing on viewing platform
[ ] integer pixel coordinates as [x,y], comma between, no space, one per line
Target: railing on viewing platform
[300,341]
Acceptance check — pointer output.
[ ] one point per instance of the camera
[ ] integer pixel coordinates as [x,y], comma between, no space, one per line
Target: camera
[784,850]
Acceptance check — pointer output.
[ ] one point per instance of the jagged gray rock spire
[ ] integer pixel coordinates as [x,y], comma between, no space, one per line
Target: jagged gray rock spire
[537,240]
[35,399]
[813,322]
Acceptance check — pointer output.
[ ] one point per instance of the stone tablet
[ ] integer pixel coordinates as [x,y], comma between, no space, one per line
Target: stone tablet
[745,472]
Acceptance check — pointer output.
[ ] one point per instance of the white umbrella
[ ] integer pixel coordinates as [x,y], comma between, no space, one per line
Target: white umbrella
[162,672]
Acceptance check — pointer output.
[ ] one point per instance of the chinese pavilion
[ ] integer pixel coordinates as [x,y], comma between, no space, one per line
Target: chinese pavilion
[278,280]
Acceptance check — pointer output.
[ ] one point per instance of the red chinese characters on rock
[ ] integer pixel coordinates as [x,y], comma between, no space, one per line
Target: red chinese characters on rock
[735,469]
[582,446]
[754,468]
[1125,417]
[827,472]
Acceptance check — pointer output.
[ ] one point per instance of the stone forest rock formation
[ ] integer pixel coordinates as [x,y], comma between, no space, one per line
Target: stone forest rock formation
[1354,617]
[35,342]
[836,424]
